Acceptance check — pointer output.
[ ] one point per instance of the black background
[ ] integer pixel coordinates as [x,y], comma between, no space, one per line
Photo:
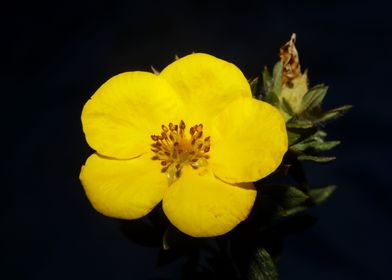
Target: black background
[55,55]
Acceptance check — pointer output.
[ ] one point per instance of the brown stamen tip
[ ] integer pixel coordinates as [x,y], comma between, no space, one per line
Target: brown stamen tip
[174,148]
[171,126]
[164,128]
[182,124]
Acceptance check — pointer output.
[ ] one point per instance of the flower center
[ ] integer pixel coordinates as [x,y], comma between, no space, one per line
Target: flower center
[175,148]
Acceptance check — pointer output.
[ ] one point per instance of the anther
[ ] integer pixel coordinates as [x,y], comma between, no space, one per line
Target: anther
[171,126]
[164,128]
[182,124]
[174,148]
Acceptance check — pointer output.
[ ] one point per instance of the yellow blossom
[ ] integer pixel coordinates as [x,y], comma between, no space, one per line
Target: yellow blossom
[192,137]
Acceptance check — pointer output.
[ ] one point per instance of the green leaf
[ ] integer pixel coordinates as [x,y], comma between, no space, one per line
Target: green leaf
[266,81]
[295,210]
[273,87]
[277,78]
[314,146]
[319,195]
[170,237]
[317,136]
[272,99]
[287,107]
[254,87]
[285,196]
[293,137]
[316,158]
[154,70]
[299,124]
[313,97]
[333,114]
[262,266]
[296,135]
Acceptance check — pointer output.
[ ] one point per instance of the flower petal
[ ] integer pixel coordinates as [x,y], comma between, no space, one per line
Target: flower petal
[203,205]
[249,141]
[125,189]
[120,117]
[206,84]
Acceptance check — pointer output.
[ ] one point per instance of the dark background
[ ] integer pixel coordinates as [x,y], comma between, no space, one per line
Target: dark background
[55,55]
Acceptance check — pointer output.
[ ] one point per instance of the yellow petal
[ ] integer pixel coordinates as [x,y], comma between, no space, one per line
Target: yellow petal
[125,189]
[206,84]
[248,141]
[203,205]
[120,117]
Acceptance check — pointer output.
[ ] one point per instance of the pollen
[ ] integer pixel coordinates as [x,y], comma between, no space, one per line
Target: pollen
[175,147]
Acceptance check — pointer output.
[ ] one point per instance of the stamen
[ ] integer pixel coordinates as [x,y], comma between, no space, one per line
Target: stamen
[175,149]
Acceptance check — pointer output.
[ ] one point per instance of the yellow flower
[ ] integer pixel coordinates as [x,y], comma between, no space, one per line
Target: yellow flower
[192,137]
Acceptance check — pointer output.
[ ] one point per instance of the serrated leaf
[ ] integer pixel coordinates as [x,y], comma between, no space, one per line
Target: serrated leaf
[333,114]
[317,159]
[319,195]
[277,78]
[262,266]
[313,98]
